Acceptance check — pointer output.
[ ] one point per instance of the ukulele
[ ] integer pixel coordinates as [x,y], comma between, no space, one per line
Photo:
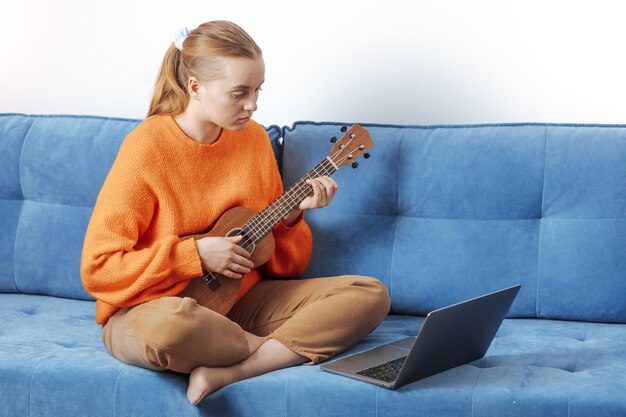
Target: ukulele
[217,292]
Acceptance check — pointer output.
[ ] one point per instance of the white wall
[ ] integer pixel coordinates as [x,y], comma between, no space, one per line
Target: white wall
[421,62]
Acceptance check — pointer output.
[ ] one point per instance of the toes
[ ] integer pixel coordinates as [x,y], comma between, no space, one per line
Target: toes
[199,385]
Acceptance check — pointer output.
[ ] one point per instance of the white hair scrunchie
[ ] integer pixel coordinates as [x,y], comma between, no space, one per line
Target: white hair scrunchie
[181,35]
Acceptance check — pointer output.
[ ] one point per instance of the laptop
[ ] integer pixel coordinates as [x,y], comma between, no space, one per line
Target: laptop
[450,336]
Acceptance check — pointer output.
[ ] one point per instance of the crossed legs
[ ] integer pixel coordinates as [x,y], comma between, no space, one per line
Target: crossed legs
[277,324]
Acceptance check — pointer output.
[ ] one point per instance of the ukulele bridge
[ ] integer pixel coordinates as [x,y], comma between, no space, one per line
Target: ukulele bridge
[210,279]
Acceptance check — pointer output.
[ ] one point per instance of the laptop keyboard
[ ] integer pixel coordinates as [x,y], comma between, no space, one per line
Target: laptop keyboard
[387,372]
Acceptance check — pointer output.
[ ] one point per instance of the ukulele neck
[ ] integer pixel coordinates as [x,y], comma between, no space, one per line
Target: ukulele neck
[261,224]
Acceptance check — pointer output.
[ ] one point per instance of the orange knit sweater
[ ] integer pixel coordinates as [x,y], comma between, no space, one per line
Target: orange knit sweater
[163,185]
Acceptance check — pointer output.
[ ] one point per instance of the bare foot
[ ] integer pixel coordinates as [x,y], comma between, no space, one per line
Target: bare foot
[203,381]
[270,356]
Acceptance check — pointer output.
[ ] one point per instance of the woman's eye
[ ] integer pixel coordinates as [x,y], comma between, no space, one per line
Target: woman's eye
[238,95]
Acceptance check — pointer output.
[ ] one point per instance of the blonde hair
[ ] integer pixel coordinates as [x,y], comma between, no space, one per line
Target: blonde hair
[199,58]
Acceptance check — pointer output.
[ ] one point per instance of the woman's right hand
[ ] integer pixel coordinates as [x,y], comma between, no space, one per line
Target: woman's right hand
[224,256]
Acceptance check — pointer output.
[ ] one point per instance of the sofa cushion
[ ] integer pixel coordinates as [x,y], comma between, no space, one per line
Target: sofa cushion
[582,259]
[53,363]
[443,213]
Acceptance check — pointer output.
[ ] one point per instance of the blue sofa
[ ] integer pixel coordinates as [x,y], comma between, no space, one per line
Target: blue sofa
[438,213]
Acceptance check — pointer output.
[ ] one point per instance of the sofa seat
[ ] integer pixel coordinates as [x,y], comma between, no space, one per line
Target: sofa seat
[533,368]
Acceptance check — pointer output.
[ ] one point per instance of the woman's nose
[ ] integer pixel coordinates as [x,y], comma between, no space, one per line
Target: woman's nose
[250,105]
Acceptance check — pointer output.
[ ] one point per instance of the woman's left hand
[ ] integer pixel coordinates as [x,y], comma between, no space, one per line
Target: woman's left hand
[324,189]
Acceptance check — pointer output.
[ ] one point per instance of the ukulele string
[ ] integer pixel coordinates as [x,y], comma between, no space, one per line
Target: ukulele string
[252,229]
[263,216]
[277,209]
[300,194]
[256,227]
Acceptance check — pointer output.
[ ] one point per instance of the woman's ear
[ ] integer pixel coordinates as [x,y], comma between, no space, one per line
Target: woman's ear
[193,86]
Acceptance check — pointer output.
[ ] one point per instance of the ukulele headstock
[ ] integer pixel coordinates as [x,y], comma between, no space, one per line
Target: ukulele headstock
[355,142]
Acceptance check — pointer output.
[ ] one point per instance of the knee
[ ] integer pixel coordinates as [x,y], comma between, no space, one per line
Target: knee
[165,326]
[374,296]
[179,334]
[381,295]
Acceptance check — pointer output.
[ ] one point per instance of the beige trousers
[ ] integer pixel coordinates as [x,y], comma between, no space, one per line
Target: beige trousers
[316,318]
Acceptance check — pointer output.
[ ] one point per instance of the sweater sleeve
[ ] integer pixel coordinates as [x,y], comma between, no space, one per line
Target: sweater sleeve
[294,246]
[115,268]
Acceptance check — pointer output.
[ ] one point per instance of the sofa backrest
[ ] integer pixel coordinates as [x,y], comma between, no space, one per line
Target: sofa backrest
[52,170]
[439,214]
[444,213]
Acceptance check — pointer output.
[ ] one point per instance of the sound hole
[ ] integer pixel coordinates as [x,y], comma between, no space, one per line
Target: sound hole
[247,242]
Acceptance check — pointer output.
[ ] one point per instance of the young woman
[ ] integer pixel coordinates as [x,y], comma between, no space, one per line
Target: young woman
[196,155]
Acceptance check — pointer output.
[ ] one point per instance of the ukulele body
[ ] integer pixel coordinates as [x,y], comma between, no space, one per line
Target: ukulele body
[220,295]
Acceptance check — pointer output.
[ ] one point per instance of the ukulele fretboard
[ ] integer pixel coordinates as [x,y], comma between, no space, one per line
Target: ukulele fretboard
[261,224]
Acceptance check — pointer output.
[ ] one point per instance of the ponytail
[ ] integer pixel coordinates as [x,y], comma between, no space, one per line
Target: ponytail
[168,96]
[199,56]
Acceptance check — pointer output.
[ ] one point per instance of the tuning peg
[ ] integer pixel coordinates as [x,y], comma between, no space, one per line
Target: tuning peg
[333,139]
[366,155]
[344,128]
[355,164]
